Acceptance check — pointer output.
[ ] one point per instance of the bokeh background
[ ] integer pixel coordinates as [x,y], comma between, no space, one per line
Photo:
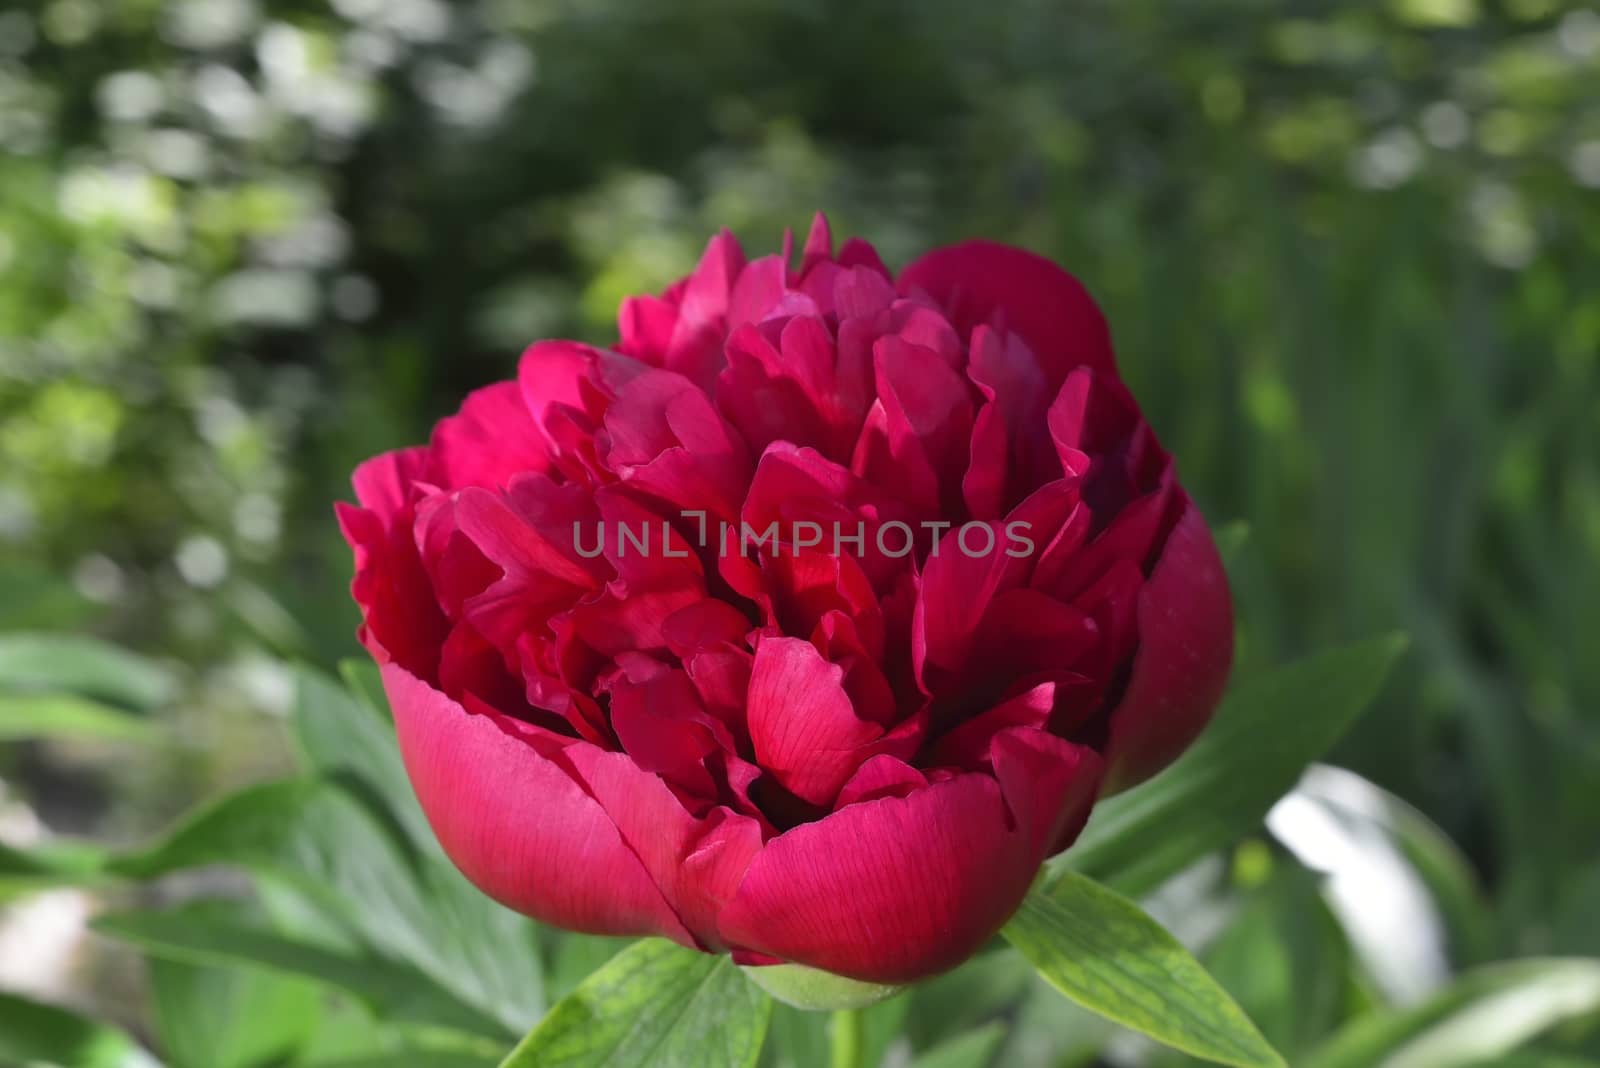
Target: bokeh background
[1350,254]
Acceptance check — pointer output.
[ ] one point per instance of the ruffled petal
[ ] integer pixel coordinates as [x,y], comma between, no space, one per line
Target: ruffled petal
[517,824]
[901,888]
[697,863]
[490,441]
[984,282]
[802,724]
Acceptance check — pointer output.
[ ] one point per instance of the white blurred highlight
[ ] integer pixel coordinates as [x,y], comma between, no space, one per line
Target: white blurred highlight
[1338,823]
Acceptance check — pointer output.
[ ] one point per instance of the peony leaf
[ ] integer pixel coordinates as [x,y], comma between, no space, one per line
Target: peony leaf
[1534,1059]
[798,1038]
[35,1033]
[363,679]
[209,1017]
[70,663]
[340,731]
[655,1003]
[1103,952]
[1484,1014]
[29,716]
[987,986]
[414,1058]
[817,991]
[971,1050]
[50,864]
[1267,732]
[202,937]
[326,843]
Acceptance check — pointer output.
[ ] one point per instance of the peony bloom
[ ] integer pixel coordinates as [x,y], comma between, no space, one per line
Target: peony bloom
[804,624]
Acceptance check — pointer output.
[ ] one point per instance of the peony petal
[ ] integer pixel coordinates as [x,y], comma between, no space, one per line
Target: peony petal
[917,440]
[1049,784]
[518,825]
[696,347]
[882,776]
[491,440]
[956,591]
[984,282]
[644,326]
[803,727]
[662,726]
[665,436]
[1011,450]
[819,243]
[793,485]
[967,745]
[697,863]
[901,888]
[554,378]
[860,291]
[770,398]
[760,288]
[1185,651]
[384,484]
[856,252]
[401,619]
[455,567]
[505,534]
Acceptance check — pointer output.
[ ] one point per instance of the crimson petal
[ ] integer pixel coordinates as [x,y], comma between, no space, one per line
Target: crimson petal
[900,888]
[517,824]
[982,282]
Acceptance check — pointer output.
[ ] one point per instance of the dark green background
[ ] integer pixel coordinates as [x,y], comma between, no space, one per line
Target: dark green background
[1349,255]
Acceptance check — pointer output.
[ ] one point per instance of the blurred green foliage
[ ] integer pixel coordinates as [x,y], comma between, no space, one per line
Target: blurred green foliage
[1351,255]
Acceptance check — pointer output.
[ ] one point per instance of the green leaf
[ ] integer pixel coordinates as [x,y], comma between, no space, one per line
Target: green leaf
[33,597]
[1267,732]
[1101,951]
[326,843]
[227,1018]
[975,1049]
[797,1038]
[1284,958]
[1048,1032]
[572,957]
[339,730]
[815,990]
[393,991]
[985,987]
[1534,1059]
[51,864]
[29,716]
[363,678]
[35,1033]
[256,825]
[1487,1012]
[658,1004]
[412,1058]
[1231,539]
[76,664]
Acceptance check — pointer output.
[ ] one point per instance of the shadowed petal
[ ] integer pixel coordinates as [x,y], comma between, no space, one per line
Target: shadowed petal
[984,282]
[1185,651]
[803,726]
[901,888]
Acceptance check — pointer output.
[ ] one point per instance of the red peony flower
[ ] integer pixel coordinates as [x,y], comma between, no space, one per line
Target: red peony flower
[807,622]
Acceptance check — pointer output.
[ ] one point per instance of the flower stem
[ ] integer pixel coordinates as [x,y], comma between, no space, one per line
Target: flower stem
[846,1039]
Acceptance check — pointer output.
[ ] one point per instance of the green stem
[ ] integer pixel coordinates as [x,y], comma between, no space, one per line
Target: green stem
[846,1039]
